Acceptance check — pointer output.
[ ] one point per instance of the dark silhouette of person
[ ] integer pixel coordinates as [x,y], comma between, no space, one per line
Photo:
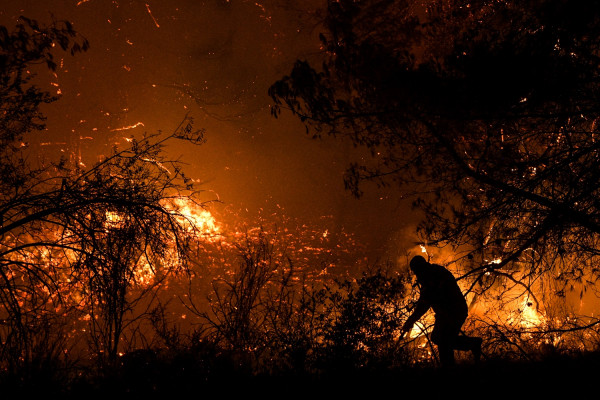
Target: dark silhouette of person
[439,291]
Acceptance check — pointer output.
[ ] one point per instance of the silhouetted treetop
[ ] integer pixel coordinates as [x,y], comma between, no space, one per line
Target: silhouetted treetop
[487,109]
[456,60]
[28,44]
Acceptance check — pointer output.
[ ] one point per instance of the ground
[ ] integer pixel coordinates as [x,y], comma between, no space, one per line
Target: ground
[553,378]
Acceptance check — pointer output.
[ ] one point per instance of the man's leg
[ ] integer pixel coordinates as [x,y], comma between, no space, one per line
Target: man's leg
[463,342]
[446,354]
[446,335]
[469,343]
[443,337]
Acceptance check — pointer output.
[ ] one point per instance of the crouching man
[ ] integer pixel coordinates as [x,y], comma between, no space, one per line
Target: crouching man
[439,291]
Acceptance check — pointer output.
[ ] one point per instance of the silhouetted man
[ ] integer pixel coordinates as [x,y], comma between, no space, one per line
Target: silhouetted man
[439,291]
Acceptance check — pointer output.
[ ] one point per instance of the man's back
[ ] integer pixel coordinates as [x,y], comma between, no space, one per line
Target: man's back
[439,288]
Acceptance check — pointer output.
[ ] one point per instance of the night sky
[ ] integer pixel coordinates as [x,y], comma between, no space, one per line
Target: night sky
[152,62]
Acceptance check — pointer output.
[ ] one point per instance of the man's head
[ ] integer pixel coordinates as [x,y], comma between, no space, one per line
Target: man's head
[418,264]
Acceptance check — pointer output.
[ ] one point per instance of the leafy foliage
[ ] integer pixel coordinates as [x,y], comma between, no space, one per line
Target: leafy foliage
[486,110]
[362,323]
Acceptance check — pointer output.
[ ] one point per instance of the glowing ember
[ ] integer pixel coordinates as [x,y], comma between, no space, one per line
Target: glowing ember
[529,317]
[144,273]
[113,219]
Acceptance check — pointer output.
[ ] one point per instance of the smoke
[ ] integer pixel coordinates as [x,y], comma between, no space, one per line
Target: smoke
[153,62]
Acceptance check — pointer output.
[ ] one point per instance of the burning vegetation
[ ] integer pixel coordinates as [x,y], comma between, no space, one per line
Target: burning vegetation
[123,269]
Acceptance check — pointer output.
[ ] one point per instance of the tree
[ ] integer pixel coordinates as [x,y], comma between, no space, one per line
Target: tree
[486,110]
[130,232]
[68,232]
[20,183]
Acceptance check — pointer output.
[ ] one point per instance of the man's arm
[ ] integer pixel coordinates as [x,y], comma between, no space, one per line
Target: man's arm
[420,309]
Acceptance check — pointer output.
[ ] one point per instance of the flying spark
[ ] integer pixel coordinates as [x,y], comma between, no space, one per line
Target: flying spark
[150,12]
[128,127]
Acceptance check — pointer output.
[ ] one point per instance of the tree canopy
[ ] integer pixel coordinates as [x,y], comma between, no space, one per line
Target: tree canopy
[487,110]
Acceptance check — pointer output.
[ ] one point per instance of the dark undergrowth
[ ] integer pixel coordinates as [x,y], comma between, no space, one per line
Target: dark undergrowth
[355,355]
[184,376]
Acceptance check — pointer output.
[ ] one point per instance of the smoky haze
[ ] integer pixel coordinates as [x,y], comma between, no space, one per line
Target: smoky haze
[153,62]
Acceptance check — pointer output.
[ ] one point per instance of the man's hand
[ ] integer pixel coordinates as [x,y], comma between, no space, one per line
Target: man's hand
[406,327]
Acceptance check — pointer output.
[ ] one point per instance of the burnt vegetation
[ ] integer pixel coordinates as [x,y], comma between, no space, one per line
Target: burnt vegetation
[484,111]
